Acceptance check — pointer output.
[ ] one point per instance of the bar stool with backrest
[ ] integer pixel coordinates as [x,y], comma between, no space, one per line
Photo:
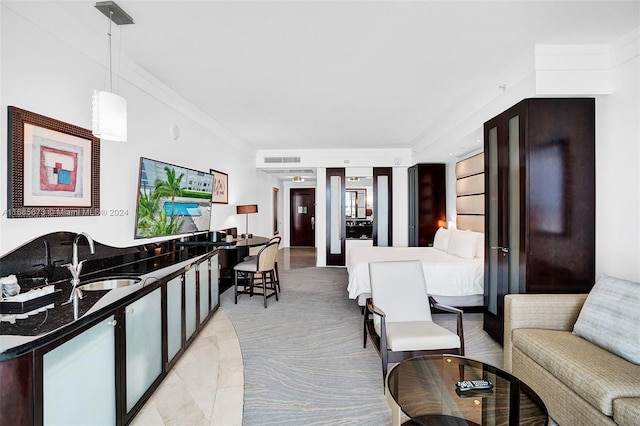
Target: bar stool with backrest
[258,272]
[253,253]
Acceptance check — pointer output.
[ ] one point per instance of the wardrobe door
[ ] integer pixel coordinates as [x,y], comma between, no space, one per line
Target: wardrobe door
[413,206]
[336,225]
[382,207]
[504,180]
[540,202]
[427,203]
[496,250]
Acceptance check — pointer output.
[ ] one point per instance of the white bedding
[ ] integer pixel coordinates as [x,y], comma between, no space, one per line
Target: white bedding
[445,274]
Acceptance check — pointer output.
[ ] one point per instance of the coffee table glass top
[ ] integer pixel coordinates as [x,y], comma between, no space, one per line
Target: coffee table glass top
[425,389]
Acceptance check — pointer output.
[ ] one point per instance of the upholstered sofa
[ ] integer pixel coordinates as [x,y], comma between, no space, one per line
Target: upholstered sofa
[580,382]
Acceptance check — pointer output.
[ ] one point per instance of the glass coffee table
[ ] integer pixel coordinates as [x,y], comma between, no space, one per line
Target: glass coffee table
[425,390]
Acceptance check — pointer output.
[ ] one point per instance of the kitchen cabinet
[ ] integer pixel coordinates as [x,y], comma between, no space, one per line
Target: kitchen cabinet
[190,300]
[143,337]
[204,286]
[79,378]
[103,367]
[174,317]
[539,203]
[214,279]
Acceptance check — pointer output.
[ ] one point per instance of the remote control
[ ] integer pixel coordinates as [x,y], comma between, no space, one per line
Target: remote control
[468,385]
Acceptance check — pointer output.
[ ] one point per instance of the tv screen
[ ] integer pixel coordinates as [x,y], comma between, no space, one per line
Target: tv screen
[172,200]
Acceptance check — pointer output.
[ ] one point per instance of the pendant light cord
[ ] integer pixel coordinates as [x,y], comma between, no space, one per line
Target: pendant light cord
[110,63]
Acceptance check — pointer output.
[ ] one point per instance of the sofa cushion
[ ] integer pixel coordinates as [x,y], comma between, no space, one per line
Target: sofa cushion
[626,411]
[610,317]
[595,374]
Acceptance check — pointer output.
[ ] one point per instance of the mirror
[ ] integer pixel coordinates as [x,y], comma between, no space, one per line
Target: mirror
[356,203]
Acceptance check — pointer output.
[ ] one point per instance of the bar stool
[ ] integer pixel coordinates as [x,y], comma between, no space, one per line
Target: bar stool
[261,268]
[252,255]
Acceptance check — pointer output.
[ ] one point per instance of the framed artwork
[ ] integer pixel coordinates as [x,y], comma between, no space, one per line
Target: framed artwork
[220,187]
[54,167]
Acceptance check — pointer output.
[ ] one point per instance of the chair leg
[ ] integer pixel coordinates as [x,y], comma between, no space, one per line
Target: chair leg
[384,371]
[364,331]
[274,283]
[277,274]
[264,288]
[235,286]
[384,355]
[251,278]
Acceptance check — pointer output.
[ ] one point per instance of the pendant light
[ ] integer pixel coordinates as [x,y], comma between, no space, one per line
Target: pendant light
[110,110]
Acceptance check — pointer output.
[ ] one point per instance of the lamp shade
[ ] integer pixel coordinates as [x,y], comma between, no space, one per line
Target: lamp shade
[247,209]
[109,116]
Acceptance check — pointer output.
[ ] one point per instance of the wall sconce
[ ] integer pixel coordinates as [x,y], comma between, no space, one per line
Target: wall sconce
[297,179]
[247,209]
[109,111]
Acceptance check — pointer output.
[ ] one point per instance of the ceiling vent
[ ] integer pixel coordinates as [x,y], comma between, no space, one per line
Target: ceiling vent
[281,160]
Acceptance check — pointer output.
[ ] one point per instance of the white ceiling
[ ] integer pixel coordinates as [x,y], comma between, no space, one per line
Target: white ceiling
[343,74]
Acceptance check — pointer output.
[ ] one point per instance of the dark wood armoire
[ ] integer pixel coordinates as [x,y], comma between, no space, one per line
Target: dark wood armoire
[540,202]
[427,202]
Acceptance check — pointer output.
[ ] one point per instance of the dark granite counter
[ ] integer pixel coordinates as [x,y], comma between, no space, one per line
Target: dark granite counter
[107,262]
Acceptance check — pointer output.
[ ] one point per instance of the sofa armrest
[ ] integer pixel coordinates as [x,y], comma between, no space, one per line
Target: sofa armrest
[548,311]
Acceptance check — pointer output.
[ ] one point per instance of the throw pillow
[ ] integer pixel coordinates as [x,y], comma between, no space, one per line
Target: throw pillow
[462,243]
[441,239]
[610,317]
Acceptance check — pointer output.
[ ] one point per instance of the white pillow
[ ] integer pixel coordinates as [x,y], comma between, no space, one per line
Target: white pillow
[480,246]
[462,243]
[610,317]
[441,239]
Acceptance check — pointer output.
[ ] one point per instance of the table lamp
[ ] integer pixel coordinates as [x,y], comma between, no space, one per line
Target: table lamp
[247,209]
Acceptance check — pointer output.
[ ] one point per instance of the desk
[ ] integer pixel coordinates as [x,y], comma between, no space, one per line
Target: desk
[231,255]
[424,389]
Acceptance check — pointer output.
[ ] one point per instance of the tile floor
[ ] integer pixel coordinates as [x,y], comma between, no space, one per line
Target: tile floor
[206,386]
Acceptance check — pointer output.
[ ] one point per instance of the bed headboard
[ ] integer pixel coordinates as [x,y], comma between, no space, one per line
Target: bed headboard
[470,193]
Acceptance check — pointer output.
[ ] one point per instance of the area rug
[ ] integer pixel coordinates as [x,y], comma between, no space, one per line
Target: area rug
[303,357]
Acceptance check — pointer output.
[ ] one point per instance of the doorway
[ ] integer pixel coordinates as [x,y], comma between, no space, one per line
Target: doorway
[303,214]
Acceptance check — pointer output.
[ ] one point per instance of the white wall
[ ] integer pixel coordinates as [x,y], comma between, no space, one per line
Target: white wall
[618,165]
[617,150]
[52,76]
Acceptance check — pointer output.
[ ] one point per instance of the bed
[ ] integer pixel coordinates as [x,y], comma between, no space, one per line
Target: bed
[453,268]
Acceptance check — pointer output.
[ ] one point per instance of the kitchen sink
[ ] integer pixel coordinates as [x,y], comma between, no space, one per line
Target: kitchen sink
[109,283]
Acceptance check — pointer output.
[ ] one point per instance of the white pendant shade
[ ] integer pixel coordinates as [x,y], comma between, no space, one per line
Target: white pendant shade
[109,116]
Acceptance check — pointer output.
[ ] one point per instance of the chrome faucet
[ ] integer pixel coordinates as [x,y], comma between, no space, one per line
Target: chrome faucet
[75,267]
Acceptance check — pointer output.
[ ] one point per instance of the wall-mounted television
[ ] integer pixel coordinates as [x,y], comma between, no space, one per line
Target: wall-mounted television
[172,200]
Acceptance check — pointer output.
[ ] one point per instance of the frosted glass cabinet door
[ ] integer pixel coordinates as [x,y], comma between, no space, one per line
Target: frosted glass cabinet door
[203,272]
[174,316]
[79,379]
[190,301]
[143,327]
[215,282]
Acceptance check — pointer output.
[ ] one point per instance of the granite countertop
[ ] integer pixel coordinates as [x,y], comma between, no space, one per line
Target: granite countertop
[42,324]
